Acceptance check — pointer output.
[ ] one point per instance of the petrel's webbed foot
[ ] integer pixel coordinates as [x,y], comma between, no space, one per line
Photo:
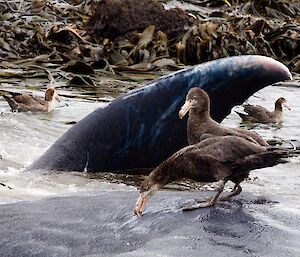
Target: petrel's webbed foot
[209,202]
[198,205]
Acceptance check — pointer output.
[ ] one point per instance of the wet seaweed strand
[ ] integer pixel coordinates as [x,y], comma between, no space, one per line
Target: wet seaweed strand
[144,34]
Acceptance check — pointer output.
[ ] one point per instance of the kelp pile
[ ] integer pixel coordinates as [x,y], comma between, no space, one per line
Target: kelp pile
[81,36]
[268,28]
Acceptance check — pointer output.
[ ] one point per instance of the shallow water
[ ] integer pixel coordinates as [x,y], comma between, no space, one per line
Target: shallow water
[267,210]
[25,136]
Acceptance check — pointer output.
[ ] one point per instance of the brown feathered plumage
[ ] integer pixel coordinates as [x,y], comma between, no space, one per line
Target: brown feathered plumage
[197,104]
[27,102]
[259,114]
[213,159]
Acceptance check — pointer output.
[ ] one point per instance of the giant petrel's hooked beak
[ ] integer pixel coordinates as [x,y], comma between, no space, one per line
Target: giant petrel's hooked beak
[143,198]
[186,107]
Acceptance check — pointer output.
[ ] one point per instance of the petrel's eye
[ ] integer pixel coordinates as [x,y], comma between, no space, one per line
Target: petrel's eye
[194,97]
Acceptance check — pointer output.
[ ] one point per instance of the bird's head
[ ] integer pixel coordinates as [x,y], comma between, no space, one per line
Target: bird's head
[51,94]
[148,188]
[197,101]
[281,102]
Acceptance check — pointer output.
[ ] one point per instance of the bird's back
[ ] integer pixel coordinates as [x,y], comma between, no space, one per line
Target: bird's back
[230,157]
[26,102]
[228,148]
[258,113]
[209,160]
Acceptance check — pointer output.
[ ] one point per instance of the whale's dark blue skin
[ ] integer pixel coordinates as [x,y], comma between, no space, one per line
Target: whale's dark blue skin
[142,128]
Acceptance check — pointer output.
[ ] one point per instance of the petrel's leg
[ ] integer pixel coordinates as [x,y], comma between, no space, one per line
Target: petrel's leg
[235,191]
[211,201]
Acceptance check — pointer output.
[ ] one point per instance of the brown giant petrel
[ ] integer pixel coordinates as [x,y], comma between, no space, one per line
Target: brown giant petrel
[200,124]
[259,114]
[28,103]
[220,158]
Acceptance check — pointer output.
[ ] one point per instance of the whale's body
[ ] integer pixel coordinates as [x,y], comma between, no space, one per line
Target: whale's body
[141,128]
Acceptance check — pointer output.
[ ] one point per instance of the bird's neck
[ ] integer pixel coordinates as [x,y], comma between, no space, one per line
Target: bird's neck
[51,105]
[278,108]
[49,97]
[164,174]
[199,118]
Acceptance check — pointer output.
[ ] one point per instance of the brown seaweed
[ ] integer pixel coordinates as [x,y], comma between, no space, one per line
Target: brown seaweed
[38,38]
